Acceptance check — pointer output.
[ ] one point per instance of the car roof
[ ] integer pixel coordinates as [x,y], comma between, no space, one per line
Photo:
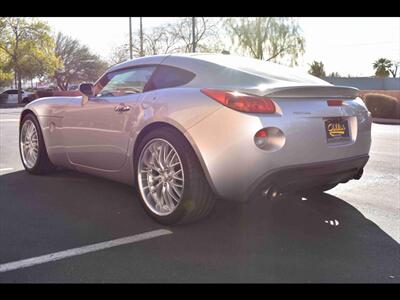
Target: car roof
[158,59]
[204,64]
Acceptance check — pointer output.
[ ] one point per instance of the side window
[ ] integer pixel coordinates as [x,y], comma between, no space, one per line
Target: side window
[168,76]
[124,82]
[12,92]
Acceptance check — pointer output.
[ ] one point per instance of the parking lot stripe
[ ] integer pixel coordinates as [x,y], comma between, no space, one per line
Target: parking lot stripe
[81,250]
[9,120]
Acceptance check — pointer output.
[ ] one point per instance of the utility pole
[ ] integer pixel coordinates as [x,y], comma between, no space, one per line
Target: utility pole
[130,37]
[141,38]
[194,34]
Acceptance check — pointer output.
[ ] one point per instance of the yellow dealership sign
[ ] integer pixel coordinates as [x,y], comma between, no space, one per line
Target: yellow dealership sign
[336,129]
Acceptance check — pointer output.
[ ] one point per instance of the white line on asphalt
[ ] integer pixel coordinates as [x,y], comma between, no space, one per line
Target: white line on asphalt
[6,169]
[385,153]
[81,250]
[9,120]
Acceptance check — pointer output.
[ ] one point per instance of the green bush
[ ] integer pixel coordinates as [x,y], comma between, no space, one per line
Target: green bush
[383,106]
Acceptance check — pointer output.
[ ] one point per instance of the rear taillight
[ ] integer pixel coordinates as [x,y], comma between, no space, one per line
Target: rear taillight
[242,102]
[335,102]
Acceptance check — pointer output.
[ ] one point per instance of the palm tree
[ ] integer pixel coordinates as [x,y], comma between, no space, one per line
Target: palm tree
[317,69]
[382,67]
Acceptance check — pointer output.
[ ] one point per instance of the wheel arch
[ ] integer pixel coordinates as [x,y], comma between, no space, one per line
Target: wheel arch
[26,112]
[185,135]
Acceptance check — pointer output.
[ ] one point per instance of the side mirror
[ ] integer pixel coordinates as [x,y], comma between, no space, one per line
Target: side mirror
[86,89]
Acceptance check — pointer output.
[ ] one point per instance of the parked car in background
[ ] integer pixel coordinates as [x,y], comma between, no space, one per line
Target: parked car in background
[73,87]
[189,129]
[11,96]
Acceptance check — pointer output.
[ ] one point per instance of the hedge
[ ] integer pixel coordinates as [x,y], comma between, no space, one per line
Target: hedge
[383,106]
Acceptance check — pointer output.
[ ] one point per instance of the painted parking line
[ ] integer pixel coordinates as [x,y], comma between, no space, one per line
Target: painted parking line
[81,250]
[9,120]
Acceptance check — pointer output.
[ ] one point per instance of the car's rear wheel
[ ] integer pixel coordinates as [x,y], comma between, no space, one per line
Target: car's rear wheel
[170,180]
[32,148]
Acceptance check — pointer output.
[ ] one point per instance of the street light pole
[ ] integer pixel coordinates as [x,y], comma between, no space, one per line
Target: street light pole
[130,37]
[141,38]
[193,34]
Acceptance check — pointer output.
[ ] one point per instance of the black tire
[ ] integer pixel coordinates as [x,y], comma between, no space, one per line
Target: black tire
[198,198]
[43,164]
[327,187]
[321,189]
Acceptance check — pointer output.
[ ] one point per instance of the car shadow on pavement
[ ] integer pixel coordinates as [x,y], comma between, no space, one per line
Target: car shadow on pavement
[320,238]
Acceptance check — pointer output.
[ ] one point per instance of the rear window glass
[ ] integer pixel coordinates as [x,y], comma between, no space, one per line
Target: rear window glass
[168,76]
[262,68]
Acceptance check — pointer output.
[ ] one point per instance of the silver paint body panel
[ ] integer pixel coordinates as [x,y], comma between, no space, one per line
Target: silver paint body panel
[94,139]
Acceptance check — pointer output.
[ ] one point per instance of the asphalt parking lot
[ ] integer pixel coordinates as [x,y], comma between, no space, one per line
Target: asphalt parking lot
[349,234]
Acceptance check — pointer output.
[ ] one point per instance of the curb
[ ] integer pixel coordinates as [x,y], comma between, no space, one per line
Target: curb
[386,121]
[12,105]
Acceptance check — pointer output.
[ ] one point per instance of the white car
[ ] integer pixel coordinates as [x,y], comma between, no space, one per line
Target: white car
[12,96]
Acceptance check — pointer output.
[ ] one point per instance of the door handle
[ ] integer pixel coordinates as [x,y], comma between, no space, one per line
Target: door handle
[122,107]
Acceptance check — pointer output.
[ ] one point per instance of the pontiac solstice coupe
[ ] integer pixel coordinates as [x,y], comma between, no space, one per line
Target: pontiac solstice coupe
[188,129]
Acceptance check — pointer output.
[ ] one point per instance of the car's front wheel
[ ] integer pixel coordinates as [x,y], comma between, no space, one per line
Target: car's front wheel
[170,180]
[32,148]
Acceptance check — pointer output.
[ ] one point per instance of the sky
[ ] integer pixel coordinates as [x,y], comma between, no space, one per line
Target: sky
[346,45]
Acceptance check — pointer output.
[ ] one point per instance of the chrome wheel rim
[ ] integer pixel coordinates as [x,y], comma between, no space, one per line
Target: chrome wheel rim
[29,144]
[161,177]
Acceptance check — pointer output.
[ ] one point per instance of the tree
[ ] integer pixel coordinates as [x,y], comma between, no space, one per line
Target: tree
[267,38]
[171,38]
[206,37]
[155,41]
[28,46]
[159,40]
[393,70]
[119,54]
[6,75]
[382,67]
[317,69]
[334,74]
[78,63]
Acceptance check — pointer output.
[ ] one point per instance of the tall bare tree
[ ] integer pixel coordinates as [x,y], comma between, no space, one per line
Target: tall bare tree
[78,63]
[394,68]
[156,40]
[206,34]
[172,38]
[267,38]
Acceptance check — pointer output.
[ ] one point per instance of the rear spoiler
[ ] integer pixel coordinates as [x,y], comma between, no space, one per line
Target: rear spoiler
[314,91]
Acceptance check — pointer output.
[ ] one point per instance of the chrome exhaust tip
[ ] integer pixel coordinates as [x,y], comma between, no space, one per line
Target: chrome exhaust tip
[271,192]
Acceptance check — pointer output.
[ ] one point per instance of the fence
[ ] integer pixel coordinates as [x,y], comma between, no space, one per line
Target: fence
[366,83]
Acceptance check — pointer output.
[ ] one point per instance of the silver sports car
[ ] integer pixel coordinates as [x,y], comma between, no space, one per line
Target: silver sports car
[188,129]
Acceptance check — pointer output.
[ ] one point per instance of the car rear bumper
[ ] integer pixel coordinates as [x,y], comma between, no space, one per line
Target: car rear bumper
[307,176]
[233,164]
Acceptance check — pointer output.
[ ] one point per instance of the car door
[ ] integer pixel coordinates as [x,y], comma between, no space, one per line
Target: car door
[96,134]
[12,96]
